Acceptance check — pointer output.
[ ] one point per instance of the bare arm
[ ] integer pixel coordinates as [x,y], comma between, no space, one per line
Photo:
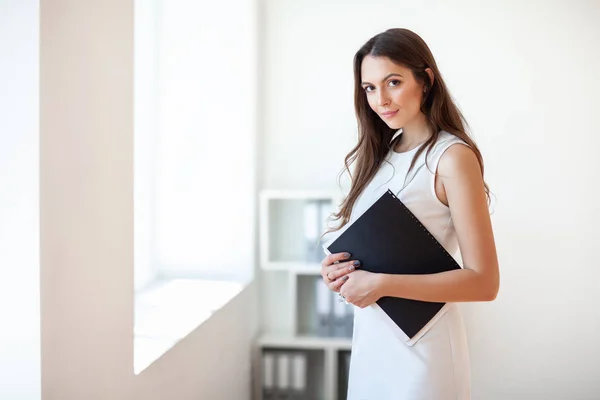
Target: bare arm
[479,279]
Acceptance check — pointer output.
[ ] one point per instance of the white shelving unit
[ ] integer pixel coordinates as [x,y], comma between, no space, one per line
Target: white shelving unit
[291,223]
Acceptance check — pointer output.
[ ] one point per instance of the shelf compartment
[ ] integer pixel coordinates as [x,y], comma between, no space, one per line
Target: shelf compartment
[291,224]
[319,311]
[292,373]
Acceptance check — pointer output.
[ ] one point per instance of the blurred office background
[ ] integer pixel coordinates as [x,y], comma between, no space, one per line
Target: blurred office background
[136,141]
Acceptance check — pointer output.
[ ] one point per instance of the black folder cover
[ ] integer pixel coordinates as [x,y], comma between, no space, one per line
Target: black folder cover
[389,239]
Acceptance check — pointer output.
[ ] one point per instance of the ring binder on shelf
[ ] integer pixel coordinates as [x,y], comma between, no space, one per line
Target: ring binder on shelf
[299,372]
[283,376]
[268,375]
[324,309]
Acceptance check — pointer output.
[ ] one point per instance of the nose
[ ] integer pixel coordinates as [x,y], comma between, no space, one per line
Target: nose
[382,99]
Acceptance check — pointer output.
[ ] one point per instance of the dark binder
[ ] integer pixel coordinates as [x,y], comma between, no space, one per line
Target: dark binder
[389,239]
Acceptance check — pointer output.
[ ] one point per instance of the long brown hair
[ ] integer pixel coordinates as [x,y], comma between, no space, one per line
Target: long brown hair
[405,48]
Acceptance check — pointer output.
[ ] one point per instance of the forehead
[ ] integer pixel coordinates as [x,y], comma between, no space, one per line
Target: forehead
[374,69]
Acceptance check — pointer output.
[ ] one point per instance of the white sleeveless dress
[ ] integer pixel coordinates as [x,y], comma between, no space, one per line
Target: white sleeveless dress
[383,366]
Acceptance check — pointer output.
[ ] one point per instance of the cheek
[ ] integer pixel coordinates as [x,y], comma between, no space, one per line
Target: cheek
[408,99]
[372,102]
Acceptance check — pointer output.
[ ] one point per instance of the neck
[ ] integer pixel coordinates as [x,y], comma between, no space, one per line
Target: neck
[414,133]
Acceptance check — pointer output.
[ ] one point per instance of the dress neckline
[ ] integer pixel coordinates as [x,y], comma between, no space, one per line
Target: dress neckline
[395,153]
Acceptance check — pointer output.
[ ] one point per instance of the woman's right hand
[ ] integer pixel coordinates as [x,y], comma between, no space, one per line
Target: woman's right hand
[334,269]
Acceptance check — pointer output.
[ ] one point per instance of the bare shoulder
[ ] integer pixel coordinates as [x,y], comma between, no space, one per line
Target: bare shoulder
[461,179]
[459,160]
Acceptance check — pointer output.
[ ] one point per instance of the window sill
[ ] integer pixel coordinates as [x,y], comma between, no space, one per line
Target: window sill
[168,310]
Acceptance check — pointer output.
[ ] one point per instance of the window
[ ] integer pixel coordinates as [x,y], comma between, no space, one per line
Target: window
[194,195]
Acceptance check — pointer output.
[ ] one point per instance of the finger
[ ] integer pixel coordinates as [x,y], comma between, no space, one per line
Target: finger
[337,284]
[326,279]
[337,271]
[350,265]
[340,270]
[332,287]
[335,257]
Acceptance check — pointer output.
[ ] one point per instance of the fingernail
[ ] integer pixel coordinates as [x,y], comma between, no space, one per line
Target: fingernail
[346,255]
[357,263]
[351,268]
[346,277]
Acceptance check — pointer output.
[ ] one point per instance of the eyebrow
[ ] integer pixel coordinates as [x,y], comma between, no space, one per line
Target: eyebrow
[383,80]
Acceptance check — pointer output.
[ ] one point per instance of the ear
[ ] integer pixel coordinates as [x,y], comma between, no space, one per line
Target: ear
[429,73]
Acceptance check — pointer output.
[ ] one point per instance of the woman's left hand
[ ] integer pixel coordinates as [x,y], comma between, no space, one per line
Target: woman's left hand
[361,288]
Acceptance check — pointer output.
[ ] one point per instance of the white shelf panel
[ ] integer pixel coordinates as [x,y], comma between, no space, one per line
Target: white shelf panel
[304,342]
[295,267]
[313,269]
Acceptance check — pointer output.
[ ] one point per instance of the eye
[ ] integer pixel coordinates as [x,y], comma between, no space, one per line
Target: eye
[395,81]
[366,88]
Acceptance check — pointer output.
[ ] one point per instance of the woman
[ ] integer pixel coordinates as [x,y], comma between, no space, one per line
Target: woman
[412,139]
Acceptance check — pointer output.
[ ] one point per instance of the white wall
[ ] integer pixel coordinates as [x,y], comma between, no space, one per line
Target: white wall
[86,189]
[525,77]
[19,201]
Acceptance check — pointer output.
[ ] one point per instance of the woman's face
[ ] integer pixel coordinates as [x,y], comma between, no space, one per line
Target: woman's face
[391,90]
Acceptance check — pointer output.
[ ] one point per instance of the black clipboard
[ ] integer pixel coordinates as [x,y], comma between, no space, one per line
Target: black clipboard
[388,238]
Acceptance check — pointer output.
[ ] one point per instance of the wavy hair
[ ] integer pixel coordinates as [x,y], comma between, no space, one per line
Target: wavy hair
[408,49]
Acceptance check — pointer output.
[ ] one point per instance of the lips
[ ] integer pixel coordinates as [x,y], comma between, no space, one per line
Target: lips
[389,114]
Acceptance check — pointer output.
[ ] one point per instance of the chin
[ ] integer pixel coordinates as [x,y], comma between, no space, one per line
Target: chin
[394,124]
